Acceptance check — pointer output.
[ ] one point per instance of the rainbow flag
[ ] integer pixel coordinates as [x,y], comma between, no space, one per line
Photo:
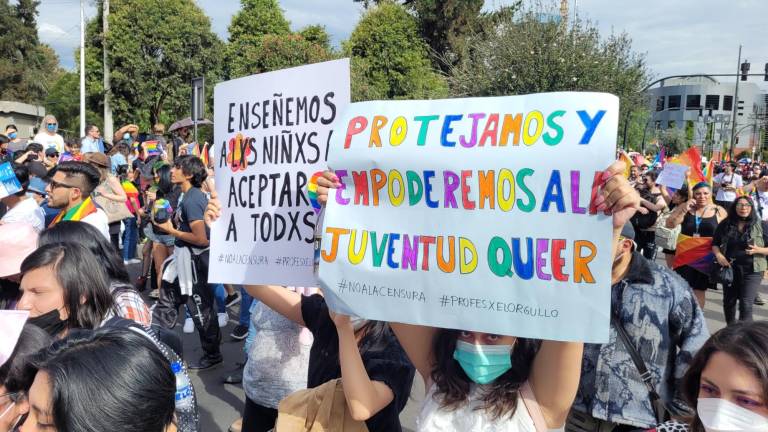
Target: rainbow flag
[695,252]
[133,196]
[691,158]
[202,153]
[84,209]
[624,157]
[708,171]
[152,147]
[659,160]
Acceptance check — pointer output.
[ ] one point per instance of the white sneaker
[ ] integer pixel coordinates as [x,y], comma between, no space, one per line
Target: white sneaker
[189,326]
[223,320]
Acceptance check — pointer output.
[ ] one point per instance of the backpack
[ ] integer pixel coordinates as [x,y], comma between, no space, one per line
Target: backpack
[666,238]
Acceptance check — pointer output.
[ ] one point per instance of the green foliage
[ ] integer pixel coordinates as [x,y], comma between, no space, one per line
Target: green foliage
[272,52]
[445,25]
[63,101]
[317,35]
[27,67]
[673,140]
[389,59]
[269,44]
[258,18]
[636,125]
[522,55]
[152,61]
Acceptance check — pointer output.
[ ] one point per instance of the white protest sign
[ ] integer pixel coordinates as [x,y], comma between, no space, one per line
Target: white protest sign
[271,135]
[473,214]
[673,175]
[9,184]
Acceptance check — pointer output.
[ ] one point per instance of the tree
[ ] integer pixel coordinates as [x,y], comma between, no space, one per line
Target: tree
[63,100]
[523,54]
[269,44]
[152,60]
[317,35]
[27,67]
[272,52]
[673,140]
[444,24]
[389,58]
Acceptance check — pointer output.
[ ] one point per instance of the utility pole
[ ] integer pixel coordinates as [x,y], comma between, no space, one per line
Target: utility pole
[82,68]
[108,123]
[735,107]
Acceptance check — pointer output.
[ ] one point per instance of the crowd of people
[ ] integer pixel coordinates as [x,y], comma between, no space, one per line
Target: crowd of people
[85,348]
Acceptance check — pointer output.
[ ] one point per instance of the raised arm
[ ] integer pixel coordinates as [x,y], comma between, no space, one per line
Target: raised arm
[417,342]
[283,301]
[555,378]
[365,397]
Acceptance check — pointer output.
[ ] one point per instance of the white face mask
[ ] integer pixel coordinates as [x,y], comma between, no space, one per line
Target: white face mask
[720,415]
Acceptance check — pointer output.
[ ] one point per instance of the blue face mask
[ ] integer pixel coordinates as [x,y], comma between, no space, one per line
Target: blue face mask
[483,363]
[12,135]
[51,127]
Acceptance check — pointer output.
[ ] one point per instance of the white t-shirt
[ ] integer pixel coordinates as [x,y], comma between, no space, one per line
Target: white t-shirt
[27,211]
[762,205]
[98,220]
[735,181]
[49,141]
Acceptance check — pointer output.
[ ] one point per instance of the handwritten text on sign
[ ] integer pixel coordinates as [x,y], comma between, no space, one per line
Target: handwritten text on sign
[473,214]
[272,133]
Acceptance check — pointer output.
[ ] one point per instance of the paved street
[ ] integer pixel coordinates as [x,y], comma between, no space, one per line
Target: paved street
[220,404]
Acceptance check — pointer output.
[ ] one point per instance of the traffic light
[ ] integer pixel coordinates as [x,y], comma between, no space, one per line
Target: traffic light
[744,70]
[766,73]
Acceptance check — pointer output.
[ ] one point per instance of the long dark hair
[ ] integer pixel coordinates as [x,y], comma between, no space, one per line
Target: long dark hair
[452,385]
[15,375]
[83,278]
[88,236]
[164,184]
[746,342]
[734,217]
[117,370]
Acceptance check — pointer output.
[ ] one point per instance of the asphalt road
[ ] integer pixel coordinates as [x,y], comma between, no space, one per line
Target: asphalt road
[221,404]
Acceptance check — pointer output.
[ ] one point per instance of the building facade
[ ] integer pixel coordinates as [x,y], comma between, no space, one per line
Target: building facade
[703,107]
[26,117]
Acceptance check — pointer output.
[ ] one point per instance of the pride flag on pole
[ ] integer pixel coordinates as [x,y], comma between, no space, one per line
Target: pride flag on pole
[624,157]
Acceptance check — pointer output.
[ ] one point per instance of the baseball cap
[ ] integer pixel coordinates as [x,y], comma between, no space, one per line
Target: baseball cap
[19,240]
[51,151]
[37,185]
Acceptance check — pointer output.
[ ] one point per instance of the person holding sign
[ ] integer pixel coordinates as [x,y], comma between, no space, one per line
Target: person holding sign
[487,382]
[375,372]
[698,219]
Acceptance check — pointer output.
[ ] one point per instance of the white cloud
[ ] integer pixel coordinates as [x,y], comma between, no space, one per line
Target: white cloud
[48,30]
[679,37]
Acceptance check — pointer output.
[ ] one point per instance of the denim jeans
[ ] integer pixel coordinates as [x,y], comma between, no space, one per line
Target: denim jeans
[245,307]
[130,237]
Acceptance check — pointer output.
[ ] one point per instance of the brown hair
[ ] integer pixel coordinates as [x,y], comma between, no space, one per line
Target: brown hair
[745,341]
[452,385]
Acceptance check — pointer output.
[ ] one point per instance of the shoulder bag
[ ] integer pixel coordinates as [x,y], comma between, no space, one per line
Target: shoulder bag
[660,409]
[115,210]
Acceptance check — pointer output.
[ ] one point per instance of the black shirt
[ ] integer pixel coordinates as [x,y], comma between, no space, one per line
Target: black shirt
[191,208]
[736,242]
[384,360]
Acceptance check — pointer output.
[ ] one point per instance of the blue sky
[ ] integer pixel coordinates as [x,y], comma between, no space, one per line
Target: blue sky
[680,36]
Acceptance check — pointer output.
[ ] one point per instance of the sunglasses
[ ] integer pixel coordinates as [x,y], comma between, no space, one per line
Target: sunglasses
[51,124]
[54,184]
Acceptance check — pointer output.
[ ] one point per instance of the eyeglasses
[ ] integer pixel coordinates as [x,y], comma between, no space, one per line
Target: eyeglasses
[744,205]
[54,184]
[51,124]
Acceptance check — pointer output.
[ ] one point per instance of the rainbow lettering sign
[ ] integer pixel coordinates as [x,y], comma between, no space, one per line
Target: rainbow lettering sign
[473,214]
[312,191]
[271,134]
